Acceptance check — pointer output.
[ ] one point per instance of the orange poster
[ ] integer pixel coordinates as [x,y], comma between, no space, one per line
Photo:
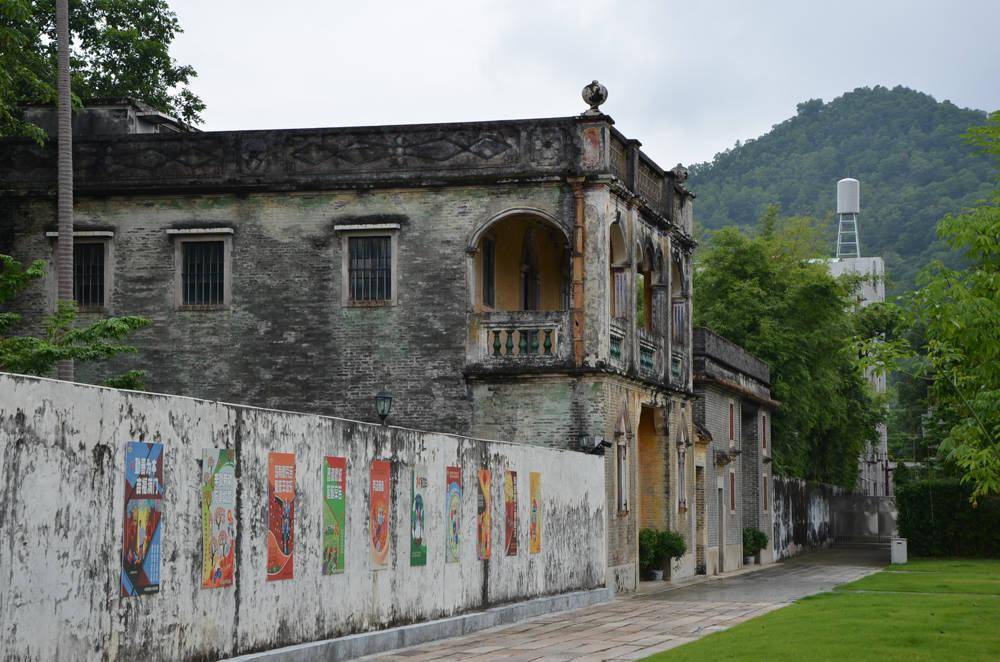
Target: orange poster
[484,521]
[280,515]
[379,522]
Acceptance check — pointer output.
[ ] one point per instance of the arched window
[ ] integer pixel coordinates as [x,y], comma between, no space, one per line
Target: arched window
[618,260]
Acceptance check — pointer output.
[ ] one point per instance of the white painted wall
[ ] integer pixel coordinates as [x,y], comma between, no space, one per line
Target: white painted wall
[62,447]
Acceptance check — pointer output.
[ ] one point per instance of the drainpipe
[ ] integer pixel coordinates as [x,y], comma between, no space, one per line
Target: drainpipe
[578,270]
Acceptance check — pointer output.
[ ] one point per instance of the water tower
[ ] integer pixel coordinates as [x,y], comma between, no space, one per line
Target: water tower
[848,208]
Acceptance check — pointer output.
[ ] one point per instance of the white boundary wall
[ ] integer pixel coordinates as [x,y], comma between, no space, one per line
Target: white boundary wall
[62,447]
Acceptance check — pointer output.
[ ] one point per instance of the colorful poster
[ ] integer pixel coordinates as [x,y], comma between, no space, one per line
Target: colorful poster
[484,523]
[453,507]
[381,508]
[334,514]
[280,516]
[535,527]
[418,543]
[510,512]
[218,517]
[143,512]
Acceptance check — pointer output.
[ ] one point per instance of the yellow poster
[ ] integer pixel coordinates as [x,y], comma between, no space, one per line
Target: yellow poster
[535,527]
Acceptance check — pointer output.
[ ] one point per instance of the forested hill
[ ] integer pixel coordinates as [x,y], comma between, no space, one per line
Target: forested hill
[905,147]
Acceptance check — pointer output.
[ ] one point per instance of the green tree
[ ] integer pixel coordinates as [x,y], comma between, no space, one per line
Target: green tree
[61,338]
[959,312]
[121,48]
[761,291]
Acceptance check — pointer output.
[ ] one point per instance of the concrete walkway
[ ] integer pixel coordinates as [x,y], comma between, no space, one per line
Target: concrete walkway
[656,618]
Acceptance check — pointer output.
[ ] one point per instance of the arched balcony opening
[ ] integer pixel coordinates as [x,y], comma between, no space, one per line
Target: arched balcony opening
[644,288]
[521,293]
[618,264]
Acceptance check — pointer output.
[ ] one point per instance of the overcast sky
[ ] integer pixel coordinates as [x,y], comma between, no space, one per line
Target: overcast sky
[687,79]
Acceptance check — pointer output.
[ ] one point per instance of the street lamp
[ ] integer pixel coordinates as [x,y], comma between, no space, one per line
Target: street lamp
[383,404]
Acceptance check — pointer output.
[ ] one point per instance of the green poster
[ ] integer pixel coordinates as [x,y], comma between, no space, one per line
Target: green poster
[334,509]
[418,542]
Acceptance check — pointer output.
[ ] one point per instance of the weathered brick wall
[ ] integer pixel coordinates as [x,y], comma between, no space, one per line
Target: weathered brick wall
[750,459]
[713,405]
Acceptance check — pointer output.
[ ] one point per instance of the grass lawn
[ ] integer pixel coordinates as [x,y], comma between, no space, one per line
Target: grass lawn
[926,610]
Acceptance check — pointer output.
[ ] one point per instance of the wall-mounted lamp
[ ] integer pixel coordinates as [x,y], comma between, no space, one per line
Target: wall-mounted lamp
[383,404]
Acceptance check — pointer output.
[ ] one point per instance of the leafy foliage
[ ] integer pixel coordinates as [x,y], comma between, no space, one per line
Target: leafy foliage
[754,540]
[657,547]
[762,292]
[120,49]
[958,315]
[937,519]
[903,146]
[61,338]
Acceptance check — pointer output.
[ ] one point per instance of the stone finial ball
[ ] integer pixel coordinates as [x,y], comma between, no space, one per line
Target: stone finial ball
[594,95]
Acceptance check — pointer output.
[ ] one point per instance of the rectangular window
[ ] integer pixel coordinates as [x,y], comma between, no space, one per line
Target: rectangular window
[203,273]
[370,268]
[763,431]
[88,275]
[765,494]
[732,491]
[489,272]
[679,323]
[619,301]
[622,475]
[732,423]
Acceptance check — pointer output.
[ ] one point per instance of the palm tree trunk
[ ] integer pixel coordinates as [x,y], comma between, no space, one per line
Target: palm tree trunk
[64,249]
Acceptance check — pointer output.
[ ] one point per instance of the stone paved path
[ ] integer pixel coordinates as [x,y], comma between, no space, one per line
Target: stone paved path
[653,619]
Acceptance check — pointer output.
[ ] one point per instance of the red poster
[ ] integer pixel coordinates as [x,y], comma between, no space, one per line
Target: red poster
[380,523]
[280,515]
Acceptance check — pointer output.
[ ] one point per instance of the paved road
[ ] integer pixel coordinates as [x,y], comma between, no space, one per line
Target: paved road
[654,619]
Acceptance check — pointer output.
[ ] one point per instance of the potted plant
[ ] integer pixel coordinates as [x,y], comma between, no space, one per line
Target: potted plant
[754,540]
[657,549]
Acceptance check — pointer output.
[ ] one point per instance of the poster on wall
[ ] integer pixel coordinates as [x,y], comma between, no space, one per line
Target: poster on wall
[418,541]
[379,522]
[143,512]
[280,516]
[453,508]
[218,517]
[334,513]
[484,523]
[510,512]
[535,525]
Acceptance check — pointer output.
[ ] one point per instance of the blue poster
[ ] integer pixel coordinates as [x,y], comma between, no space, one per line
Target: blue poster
[143,512]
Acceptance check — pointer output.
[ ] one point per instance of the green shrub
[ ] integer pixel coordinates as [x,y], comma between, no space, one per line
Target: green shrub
[657,547]
[754,540]
[937,519]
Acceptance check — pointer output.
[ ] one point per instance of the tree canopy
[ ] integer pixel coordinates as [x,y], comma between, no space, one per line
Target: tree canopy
[120,48]
[905,148]
[760,290]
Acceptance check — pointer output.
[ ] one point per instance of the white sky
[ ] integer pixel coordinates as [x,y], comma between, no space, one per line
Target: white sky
[686,78]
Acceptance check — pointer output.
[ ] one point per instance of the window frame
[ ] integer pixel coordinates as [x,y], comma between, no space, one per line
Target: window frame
[104,237]
[347,232]
[763,432]
[184,236]
[732,423]
[621,472]
[488,272]
[732,491]
[764,491]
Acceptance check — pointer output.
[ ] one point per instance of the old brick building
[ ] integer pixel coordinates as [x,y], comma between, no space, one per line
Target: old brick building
[524,280]
[734,482]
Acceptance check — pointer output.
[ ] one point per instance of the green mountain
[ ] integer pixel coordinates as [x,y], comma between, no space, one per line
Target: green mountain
[905,147]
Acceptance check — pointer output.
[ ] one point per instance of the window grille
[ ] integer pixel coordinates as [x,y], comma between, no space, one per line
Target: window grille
[620,301]
[732,422]
[88,275]
[763,431]
[765,494]
[679,330]
[370,268]
[203,273]
[732,491]
[489,272]
[622,448]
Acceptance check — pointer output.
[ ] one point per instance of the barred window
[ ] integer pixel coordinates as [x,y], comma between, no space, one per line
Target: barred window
[88,275]
[370,268]
[489,272]
[203,273]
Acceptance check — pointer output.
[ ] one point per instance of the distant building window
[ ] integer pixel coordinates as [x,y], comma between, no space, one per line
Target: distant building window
[203,274]
[88,275]
[765,494]
[489,272]
[732,423]
[370,268]
[732,491]
[763,431]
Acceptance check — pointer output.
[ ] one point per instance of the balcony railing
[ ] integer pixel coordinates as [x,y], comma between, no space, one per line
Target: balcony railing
[617,339]
[677,368]
[520,337]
